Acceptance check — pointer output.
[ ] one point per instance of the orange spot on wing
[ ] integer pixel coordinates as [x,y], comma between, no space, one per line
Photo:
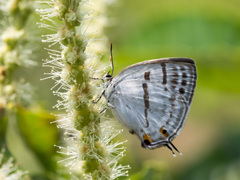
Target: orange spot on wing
[147,137]
[164,132]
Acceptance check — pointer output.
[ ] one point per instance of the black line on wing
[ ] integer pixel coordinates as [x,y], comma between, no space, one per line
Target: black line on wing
[128,107]
[146,101]
[164,73]
[147,76]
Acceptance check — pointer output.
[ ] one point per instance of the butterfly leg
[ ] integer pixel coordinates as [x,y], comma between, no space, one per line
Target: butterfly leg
[98,99]
[97,79]
[109,106]
[103,110]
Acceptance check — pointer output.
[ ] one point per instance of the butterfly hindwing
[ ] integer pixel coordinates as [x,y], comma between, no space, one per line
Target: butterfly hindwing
[149,119]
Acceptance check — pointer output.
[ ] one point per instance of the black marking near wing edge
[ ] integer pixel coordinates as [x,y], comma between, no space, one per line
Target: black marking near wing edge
[194,83]
[146,101]
[194,73]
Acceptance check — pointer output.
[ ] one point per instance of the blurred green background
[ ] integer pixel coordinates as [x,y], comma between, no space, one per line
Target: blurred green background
[208,32]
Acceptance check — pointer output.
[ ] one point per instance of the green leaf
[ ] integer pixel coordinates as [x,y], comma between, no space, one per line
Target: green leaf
[19,149]
[40,134]
[31,139]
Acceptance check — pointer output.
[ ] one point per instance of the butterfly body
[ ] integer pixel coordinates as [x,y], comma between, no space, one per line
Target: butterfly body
[152,98]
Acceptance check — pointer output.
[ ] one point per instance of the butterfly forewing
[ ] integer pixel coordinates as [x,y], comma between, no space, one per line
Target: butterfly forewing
[178,74]
[152,98]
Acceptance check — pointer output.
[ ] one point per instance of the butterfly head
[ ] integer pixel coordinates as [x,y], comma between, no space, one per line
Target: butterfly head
[107,77]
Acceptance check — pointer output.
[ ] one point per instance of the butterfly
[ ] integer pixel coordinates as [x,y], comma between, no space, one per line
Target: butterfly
[152,98]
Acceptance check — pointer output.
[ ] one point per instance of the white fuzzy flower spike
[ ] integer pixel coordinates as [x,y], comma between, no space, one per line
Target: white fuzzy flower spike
[9,171]
[75,25]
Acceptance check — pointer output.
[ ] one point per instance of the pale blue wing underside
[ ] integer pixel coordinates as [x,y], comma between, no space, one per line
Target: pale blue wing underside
[154,94]
[174,73]
[132,113]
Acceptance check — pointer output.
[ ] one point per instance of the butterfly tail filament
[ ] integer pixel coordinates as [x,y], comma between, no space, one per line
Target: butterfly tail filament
[174,147]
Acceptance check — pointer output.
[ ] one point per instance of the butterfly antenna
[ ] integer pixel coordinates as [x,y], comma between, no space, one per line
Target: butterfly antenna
[174,147]
[174,155]
[111,59]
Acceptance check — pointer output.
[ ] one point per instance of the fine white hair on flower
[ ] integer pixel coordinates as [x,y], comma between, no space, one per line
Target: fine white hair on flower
[8,170]
[79,35]
[72,150]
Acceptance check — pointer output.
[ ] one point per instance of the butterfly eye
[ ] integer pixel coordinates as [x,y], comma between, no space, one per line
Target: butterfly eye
[164,132]
[146,139]
[108,76]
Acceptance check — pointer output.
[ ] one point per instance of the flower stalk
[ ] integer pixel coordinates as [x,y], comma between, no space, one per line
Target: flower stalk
[90,152]
[13,52]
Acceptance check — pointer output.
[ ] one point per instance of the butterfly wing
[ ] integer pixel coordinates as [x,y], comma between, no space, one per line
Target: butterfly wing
[152,98]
